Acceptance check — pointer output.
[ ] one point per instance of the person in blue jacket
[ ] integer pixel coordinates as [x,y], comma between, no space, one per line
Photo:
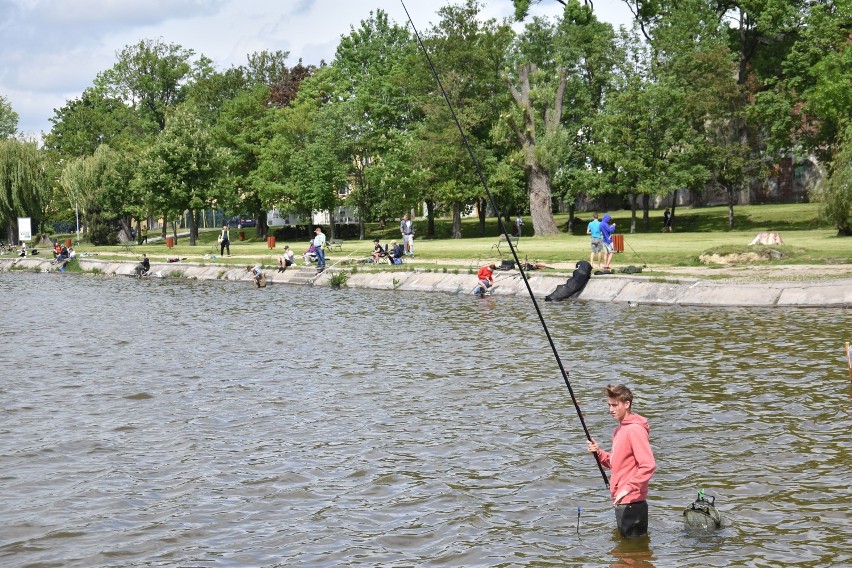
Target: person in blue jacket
[607,229]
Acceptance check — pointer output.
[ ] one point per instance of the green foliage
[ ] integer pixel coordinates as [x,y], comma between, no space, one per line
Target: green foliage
[8,119]
[24,186]
[338,279]
[835,192]
[102,231]
[182,168]
[84,124]
[153,76]
[714,94]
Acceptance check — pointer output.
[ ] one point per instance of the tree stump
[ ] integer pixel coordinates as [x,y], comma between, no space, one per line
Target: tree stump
[767,238]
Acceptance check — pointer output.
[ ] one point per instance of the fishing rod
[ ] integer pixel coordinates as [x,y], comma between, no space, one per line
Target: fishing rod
[505,233]
[644,264]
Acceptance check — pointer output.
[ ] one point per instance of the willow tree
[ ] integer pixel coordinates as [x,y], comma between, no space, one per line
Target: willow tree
[24,184]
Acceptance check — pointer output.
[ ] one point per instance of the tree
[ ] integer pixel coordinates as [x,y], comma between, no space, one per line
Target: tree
[811,98]
[835,191]
[99,186]
[546,57]
[181,170]
[370,86]
[8,119]
[153,77]
[24,186]
[84,124]
[469,55]
[587,48]
[242,129]
[643,135]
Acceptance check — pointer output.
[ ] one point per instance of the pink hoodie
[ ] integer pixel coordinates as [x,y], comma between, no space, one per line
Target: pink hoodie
[631,461]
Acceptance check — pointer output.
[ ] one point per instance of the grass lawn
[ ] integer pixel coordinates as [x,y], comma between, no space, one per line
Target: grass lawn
[697,231]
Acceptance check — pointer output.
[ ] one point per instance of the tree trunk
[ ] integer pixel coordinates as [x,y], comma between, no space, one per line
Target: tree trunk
[541,207]
[646,208]
[430,218]
[332,234]
[124,221]
[571,210]
[262,225]
[12,232]
[457,232]
[730,190]
[480,209]
[193,227]
[632,213]
[674,204]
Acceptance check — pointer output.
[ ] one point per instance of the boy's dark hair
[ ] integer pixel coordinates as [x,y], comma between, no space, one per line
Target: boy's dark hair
[620,393]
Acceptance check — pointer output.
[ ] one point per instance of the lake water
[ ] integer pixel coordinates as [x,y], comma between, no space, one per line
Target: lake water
[174,423]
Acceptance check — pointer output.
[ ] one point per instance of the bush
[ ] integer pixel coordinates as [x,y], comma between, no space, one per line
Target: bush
[103,233]
[834,193]
[338,279]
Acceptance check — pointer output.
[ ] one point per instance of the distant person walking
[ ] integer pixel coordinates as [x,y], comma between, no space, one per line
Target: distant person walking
[225,241]
[594,229]
[519,222]
[319,243]
[667,221]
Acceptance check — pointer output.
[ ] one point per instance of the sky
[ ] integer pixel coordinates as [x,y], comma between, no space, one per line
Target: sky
[51,50]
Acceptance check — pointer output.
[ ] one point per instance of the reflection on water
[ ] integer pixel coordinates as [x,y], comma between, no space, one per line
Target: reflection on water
[632,552]
[181,423]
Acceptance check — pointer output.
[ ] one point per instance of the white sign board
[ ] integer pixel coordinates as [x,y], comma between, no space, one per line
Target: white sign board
[25,231]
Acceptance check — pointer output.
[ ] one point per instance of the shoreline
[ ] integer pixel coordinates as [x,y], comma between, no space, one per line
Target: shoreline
[620,288]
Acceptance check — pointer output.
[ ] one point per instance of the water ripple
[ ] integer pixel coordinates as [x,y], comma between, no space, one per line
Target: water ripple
[188,423]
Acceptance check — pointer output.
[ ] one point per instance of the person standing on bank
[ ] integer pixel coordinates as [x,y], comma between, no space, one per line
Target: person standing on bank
[667,221]
[607,229]
[319,243]
[406,227]
[594,230]
[519,222]
[224,241]
[631,461]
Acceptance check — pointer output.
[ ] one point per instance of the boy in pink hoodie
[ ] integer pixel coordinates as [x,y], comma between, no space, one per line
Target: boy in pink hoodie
[631,461]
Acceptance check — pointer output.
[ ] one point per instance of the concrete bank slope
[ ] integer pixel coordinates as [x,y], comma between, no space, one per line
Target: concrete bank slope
[614,288]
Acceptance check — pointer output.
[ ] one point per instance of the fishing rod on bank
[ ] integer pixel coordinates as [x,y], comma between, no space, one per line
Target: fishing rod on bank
[505,233]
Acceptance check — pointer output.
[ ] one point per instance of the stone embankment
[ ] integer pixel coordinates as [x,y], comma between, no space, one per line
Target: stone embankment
[634,289]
